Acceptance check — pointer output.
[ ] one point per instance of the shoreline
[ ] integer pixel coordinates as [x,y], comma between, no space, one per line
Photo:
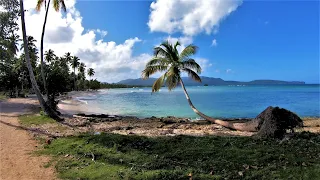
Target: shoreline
[70,105]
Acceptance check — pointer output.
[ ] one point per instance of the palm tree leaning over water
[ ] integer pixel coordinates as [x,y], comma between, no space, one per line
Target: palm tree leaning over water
[168,60]
[43,104]
[57,4]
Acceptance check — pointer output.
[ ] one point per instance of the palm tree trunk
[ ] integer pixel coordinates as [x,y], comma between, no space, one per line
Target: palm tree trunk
[41,50]
[236,126]
[43,104]
[74,78]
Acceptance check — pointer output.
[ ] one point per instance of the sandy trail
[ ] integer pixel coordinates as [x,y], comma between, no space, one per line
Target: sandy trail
[16,145]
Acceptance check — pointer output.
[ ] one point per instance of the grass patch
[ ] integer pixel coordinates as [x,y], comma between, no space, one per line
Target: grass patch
[113,156]
[2,96]
[28,120]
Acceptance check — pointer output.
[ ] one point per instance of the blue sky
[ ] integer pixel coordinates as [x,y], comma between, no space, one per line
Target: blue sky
[254,40]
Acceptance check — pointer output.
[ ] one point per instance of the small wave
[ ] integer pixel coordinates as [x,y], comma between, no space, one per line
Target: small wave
[80,100]
[140,89]
[85,102]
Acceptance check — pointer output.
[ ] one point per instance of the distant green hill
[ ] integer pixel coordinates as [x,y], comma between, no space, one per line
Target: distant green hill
[210,81]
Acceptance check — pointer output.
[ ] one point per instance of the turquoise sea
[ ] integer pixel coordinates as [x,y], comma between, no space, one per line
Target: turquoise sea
[216,101]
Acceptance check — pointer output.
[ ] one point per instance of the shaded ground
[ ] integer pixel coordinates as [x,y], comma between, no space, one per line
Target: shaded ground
[16,145]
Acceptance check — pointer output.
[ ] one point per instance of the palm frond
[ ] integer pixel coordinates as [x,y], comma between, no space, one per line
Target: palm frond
[56,5]
[192,64]
[160,52]
[176,47]
[158,83]
[192,74]
[149,70]
[39,4]
[188,51]
[157,61]
[171,51]
[173,77]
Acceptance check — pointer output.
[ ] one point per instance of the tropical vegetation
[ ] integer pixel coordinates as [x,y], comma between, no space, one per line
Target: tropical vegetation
[21,73]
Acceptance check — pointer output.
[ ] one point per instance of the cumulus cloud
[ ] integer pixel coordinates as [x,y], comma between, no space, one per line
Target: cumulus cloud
[214,42]
[188,16]
[65,33]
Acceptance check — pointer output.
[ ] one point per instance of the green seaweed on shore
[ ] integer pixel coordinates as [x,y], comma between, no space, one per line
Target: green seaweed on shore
[112,156]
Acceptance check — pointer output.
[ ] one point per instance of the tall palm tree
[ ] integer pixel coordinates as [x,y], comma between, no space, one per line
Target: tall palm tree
[82,68]
[74,64]
[168,60]
[43,104]
[68,57]
[50,56]
[57,4]
[91,72]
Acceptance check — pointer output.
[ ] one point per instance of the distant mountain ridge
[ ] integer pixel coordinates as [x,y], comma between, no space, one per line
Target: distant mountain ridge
[209,81]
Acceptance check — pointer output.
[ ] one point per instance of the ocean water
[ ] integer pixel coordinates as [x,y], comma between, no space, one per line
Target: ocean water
[216,101]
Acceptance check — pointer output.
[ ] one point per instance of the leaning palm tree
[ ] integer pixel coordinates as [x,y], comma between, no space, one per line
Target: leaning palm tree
[90,72]
[43,104]
[168,60]
[57,4]
[74,64]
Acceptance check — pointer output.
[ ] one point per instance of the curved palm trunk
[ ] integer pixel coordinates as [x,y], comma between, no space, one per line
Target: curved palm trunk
[41,50]
[43,104]
[249,126]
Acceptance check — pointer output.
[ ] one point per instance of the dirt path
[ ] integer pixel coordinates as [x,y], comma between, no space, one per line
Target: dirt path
[16,145]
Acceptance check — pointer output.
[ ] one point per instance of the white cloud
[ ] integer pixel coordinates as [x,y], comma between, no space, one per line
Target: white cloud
[214,42]
[184,41]
[65,33]
[190,17]
[101,32]
[228,71]
[204,63]
[217,71]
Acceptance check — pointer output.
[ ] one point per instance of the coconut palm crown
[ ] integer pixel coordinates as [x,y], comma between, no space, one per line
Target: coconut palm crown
[168,60]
